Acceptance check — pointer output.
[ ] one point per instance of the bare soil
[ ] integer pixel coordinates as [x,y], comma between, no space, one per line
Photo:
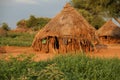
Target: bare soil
[108,51]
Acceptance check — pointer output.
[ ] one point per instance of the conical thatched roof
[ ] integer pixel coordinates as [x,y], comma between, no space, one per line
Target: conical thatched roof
[67,23]
[109,29]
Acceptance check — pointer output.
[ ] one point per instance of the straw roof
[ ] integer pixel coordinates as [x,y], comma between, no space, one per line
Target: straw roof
[67,23]
[109,29]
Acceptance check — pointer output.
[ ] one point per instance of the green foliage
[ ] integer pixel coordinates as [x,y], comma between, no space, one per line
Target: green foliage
[79,67]
[33,23]
[17,39]
[5,26]
[95,11]
[99,7]
[111,7]
[51,72]
[63,67]
[97,22]
[15,67]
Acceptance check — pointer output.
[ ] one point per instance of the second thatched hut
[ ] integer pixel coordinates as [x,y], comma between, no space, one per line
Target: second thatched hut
[109,33]
[66,32]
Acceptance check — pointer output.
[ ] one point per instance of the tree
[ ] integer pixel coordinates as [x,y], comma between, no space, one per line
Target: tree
[5,26]
[31,22]
[22,24]
[96,10]
[35,23]
[111,7]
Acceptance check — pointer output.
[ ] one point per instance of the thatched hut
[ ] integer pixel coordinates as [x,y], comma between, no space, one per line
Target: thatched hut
[68,31]
[109,33]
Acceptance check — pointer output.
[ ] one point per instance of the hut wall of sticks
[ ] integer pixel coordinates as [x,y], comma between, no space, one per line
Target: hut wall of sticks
[68,31]
[109,33]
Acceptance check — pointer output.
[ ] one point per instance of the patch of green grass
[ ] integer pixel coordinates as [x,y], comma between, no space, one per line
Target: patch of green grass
[17,39]
[63,67]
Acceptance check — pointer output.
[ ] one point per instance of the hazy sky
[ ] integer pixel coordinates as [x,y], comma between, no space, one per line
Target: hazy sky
[11,11]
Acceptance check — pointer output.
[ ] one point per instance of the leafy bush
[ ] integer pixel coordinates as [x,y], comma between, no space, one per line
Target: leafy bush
[35,23]
[63,67]
[5,26]
[51,72]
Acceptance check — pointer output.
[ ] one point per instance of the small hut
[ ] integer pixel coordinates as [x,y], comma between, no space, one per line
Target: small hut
[68,31]
[109,33]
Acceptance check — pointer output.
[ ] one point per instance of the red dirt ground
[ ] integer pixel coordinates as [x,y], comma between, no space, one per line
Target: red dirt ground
[104,52]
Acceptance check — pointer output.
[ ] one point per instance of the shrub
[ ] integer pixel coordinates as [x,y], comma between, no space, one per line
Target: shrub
[17,39]
[63,67]
[51,72]
[5,27]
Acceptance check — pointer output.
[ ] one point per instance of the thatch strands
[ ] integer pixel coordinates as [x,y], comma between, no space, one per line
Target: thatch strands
[109,32]
[67,31]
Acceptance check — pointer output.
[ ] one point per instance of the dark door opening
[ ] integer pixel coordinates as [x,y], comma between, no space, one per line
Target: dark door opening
[105,37]
[56,44]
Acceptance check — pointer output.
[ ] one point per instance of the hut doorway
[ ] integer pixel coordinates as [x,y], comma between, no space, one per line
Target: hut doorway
[53,44]
[56,43]
[105,37]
